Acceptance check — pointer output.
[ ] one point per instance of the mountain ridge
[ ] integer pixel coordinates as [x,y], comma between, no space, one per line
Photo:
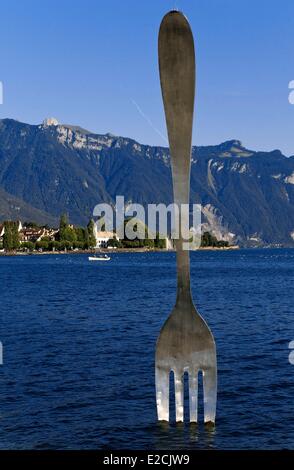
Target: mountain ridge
[247,196]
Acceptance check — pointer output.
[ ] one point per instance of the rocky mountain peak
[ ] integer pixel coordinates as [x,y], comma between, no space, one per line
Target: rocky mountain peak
[48,122]
[54,168]
[234,148]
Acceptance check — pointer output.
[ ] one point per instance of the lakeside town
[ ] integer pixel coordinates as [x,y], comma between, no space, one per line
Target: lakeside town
[31,238]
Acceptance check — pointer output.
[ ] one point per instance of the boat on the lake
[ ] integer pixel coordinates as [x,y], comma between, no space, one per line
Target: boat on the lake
[99,258]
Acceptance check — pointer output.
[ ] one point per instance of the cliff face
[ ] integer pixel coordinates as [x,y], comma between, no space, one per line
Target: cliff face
[247,196]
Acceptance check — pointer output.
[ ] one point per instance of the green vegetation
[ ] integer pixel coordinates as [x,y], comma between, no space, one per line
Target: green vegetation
[35,237]
[209,240]
[11,236]
[68,237]
[28,246]
[71,237]
[151,243]
[115,243]
[91,240]
[160,243]
[66,231]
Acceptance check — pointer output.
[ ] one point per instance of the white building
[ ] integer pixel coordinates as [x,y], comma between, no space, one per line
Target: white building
[102,238]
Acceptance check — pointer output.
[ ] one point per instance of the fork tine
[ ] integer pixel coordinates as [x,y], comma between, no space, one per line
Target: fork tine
[162,394]
[209,392]
[193,397]
[179,396]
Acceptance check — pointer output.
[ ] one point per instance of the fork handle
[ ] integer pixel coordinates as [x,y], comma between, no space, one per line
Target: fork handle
[177,77]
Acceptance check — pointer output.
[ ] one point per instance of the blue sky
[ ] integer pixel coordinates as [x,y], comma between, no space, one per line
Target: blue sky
[94,62]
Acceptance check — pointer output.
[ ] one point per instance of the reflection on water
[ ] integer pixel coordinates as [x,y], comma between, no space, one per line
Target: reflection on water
[183,435]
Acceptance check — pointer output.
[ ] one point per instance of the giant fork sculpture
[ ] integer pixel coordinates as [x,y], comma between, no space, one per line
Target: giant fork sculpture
[185,343]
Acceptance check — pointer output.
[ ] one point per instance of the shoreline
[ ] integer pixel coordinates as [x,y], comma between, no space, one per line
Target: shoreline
[137,250]
[111,251]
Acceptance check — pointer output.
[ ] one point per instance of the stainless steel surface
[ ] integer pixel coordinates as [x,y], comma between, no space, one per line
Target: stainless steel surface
[185,343]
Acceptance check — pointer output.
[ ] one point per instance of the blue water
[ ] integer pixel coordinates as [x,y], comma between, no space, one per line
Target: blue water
[79,341]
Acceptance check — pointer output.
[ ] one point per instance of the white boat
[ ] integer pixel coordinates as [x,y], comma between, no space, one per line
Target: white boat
[99,258]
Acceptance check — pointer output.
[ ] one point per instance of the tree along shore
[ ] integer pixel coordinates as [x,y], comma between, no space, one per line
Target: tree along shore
[32,238]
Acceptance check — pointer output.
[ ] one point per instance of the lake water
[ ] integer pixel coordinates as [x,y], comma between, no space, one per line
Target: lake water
[79,339]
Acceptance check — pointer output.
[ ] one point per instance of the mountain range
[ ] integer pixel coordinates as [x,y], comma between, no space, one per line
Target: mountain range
[247,196]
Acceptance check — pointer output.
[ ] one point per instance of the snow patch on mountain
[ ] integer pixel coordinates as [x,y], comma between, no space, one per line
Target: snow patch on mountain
[290,179]
[48,122]
[218,166]
[239,167]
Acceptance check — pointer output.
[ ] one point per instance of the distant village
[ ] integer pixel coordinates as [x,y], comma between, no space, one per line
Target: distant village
[29,237]
[16,236]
